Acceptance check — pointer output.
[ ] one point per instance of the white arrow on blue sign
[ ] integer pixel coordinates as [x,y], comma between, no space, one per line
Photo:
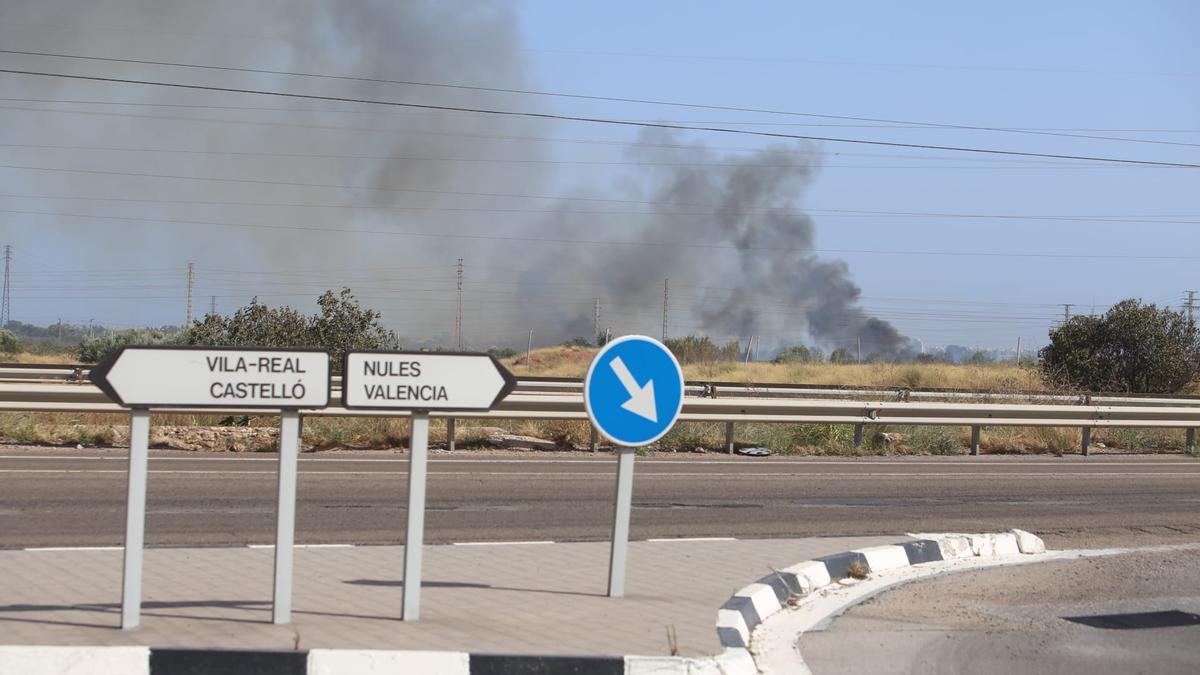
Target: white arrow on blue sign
[634,390]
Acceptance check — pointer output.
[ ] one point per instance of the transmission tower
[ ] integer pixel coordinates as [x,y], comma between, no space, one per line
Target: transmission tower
[1190,306]
[666,304]
[458,340]
[596,318]
[6,302]
[191,276]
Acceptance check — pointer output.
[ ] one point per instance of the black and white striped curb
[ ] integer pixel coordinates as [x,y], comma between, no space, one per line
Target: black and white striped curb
[154,661]
[749,607]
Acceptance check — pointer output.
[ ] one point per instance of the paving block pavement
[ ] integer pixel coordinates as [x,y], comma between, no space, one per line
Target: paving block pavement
[510,598]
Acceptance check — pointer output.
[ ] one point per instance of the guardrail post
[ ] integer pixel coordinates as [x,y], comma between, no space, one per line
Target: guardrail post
[1087,441]
[1191,439]
[450,445]
[595,443]
[975,440]
[858,434]
[729,437]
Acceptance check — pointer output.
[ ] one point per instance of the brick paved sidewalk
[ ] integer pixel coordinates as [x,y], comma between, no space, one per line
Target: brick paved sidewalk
[511,598]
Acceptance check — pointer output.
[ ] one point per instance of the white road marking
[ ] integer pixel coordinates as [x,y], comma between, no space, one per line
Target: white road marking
[500,543]
[694,539]
[1093,461]
[649,475]
[77,548]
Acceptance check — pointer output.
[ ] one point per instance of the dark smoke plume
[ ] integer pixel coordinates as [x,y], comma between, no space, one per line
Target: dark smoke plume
[740,251]
[727,228]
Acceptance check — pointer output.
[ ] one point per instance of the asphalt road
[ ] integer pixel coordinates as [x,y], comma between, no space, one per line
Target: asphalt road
[65,497]
[1011,620]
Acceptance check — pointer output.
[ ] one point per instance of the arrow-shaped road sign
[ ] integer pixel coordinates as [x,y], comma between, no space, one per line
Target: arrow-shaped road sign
[441,381]
[215,377]
[641,398]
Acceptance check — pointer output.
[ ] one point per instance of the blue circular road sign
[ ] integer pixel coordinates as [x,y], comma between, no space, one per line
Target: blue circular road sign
[634,390]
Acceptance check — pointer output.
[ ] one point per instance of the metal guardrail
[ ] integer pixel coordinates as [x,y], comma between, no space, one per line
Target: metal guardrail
[42,397]
[77,373]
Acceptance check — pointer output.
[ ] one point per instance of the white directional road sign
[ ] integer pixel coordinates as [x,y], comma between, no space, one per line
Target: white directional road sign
[212,377]
[424,381]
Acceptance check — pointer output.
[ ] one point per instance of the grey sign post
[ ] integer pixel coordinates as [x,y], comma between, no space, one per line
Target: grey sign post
[633,393]
[135,518]
[142,378]
[421,382]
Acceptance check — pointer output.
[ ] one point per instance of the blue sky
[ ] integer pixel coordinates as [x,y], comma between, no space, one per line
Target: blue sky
[1036,65]
[1121,70]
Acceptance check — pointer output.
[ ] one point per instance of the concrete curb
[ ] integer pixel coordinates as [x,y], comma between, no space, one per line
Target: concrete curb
[35,660]
[753,604]
[736,622]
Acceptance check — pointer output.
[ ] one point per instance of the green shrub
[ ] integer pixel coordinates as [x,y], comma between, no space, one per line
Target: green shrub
[1132,348]
[9,342]
[94,350]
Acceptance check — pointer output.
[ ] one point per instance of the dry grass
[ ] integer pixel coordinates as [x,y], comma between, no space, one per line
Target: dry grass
[574,361]
[790,439]
[24,357]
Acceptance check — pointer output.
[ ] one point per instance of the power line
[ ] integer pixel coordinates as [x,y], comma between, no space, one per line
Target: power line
[598,120]
[602,242]
[587,97]
[827,213]
[343,111]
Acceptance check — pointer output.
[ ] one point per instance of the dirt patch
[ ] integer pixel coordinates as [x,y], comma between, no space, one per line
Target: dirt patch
[215,439]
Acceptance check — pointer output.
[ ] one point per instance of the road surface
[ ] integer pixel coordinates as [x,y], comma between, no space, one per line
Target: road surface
[67,497]
[1011,620]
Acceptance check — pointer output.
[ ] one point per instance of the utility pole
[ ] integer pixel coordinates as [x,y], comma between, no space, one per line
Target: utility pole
[212,307]
[666,303]
[458,341]
[6,299]
[860,349]
[757,344]
[191,275]
[1018,361]
[1067,311]
[528,348]
[1191,300]
[596,319]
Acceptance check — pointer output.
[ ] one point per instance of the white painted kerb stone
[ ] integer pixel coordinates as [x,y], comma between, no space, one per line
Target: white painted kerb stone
[731,618]
[25,660]
[880,558]
[763,598]
[811,574]
[384,662]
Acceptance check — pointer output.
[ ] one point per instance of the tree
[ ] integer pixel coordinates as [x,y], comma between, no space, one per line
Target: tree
[342,325]
[1132,348]
[793,354]
[840,355]
[94,350]
[9,342]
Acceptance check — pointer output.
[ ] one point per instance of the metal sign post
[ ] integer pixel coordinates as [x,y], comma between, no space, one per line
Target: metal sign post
[633,393]
[216,378]
[135,518]
[421,382]
[414,535]
[285,515]
[620,537]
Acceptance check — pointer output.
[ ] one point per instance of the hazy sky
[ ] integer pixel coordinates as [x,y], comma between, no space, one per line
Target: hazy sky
[950,247]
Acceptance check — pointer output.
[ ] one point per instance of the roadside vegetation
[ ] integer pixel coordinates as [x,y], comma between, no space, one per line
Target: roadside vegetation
[1133,348]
